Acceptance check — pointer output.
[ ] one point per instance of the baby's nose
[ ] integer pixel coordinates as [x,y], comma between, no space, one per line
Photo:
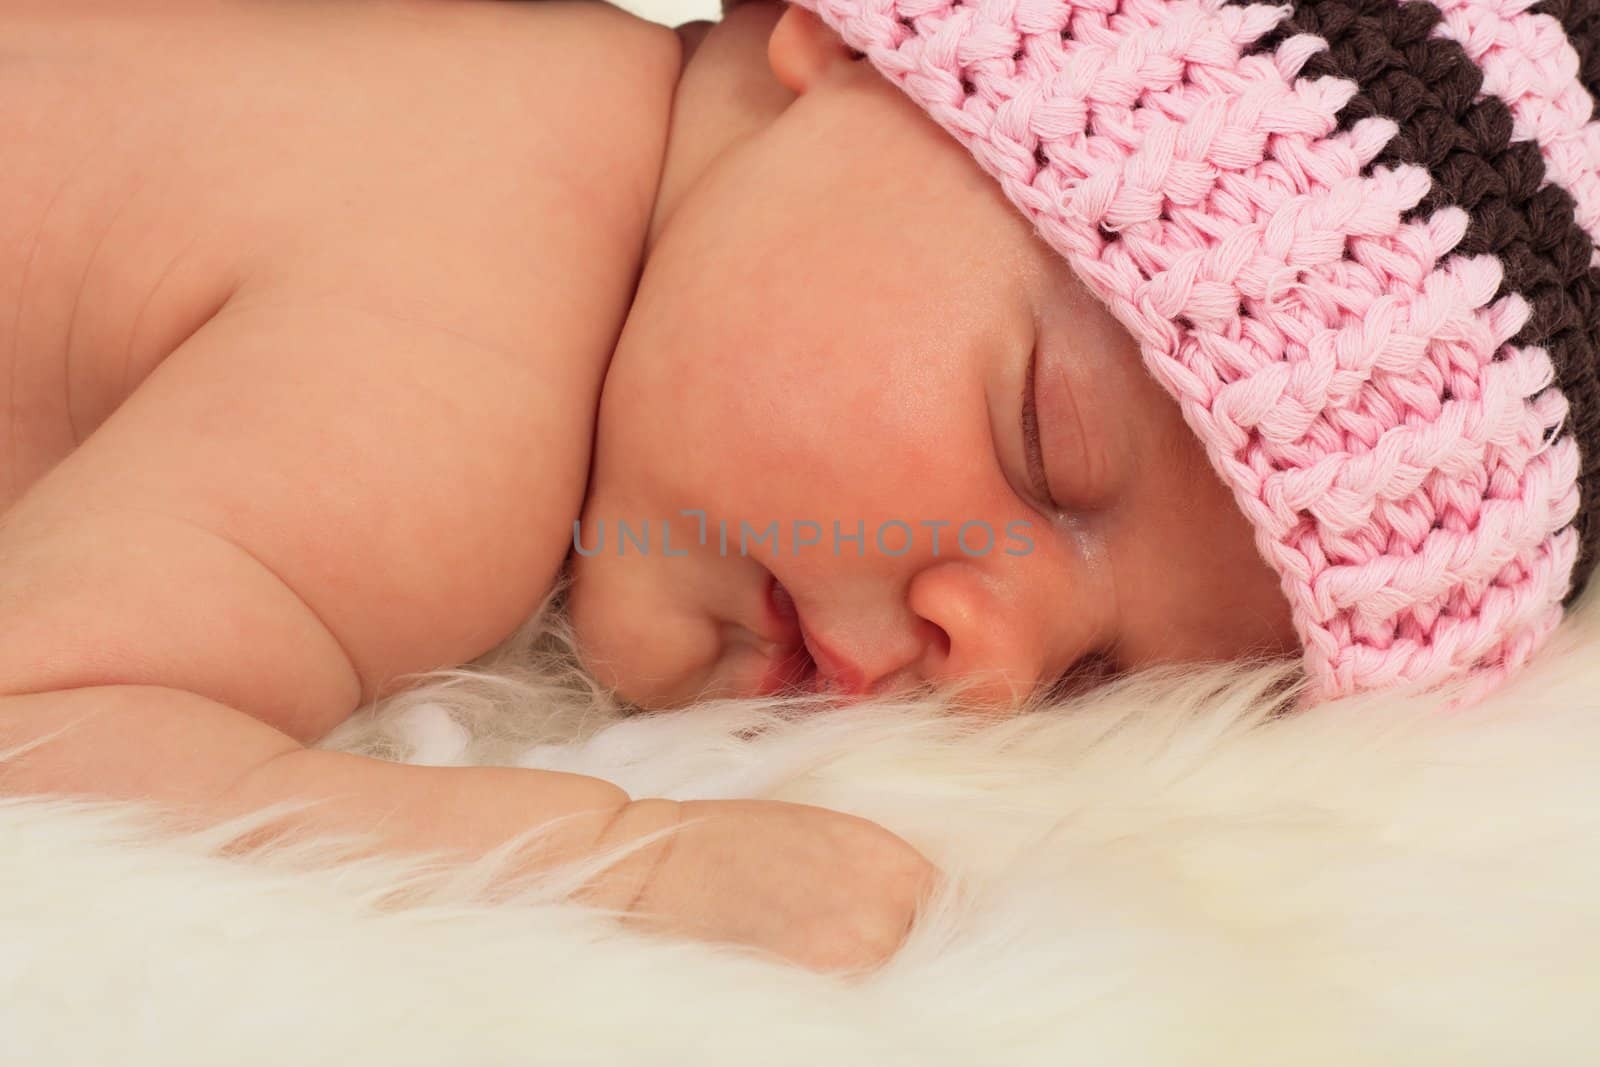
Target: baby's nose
[919,654]
[1006,631]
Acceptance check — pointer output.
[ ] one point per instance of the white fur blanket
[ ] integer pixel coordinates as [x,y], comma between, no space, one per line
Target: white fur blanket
[1160,874]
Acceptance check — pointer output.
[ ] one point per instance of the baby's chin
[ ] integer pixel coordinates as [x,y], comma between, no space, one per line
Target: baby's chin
[625,647]
[643,672]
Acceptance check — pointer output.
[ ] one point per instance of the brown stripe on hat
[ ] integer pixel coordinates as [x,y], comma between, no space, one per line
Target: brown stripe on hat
[1431,88]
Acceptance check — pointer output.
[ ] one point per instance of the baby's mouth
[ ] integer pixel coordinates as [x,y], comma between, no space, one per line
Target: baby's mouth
[804,661]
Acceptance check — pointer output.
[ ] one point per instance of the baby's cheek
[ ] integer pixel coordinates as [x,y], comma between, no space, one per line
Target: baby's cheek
[1208,593]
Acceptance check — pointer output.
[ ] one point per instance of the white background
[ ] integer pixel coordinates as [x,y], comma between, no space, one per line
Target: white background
[672,12]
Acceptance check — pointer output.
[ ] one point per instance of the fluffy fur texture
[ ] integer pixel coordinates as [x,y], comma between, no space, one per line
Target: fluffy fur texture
[1161,873]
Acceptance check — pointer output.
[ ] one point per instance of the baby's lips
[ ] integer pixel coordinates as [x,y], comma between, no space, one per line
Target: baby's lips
[824,669]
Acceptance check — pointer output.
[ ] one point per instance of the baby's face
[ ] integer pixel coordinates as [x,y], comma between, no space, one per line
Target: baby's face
[828,358]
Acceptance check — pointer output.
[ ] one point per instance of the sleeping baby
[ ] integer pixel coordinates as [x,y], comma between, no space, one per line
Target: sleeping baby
[979,347]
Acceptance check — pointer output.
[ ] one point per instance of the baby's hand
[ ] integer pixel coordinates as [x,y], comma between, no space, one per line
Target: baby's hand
[826,890]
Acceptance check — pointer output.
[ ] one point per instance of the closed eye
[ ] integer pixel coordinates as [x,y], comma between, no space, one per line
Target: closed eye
[1032,448]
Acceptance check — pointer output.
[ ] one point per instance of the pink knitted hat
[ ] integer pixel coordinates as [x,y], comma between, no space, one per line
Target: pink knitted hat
[1356,240]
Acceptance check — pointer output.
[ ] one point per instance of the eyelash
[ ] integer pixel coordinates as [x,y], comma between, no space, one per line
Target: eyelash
[1032,447]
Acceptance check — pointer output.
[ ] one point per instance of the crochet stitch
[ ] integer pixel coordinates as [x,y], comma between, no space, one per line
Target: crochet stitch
[1356,241]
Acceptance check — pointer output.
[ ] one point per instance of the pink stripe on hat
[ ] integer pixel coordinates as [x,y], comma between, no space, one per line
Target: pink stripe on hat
[1314,236]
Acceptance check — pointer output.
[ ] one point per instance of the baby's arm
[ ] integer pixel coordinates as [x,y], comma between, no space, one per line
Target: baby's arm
[814,886]
[206,762]
[308,499]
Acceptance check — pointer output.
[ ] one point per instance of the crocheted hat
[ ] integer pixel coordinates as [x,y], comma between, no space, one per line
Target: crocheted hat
[1356,240]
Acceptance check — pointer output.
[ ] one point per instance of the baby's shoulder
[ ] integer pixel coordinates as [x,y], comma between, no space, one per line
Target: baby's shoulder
[471,170]
[515,102]
[450,139]
[587,62]
[596,82]
[286,121]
